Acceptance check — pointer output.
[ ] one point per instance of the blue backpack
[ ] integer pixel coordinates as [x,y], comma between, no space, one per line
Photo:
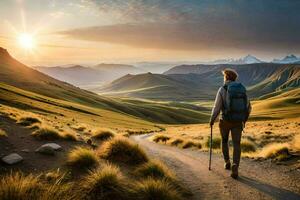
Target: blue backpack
[236,102]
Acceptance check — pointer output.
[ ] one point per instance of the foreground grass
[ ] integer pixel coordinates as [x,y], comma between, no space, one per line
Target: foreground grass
[28,121]
[123,150]
[82,158]
[106,182]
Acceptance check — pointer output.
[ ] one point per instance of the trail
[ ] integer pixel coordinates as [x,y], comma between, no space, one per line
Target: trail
[258,180]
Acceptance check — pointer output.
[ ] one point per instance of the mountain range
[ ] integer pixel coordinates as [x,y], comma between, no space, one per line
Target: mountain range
[200,82]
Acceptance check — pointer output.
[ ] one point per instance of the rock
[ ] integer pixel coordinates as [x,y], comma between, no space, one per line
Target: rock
[25,150]
[55,146]
[47,150]
[12,159]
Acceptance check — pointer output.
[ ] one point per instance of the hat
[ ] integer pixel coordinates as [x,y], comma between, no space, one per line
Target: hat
[230,73]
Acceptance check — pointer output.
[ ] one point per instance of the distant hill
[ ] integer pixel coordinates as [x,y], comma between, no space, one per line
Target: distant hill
[191,82]
[77,75]
[89,77]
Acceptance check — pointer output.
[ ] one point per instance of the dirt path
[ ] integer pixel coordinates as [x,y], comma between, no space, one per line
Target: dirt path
[258,180]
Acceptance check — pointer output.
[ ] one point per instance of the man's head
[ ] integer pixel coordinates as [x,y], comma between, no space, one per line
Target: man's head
[230,74]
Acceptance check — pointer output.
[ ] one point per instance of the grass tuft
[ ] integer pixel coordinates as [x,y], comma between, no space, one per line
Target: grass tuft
[216,142]
[2,133]
[296,143]
[82,158]
[121,149]
[176,142]
[46,133]
[69,136]
[104,183]
[190,144]
[150,189]
[248,146]
[155,169]
[161,138]
[28,121]
[103,134]
[276,151]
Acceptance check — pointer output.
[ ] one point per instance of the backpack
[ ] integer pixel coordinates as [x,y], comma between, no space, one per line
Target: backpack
[236,102]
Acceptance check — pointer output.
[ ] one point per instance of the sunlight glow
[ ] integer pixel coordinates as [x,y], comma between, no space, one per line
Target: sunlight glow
[26,41]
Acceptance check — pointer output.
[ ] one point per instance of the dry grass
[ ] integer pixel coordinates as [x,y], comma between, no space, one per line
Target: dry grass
[47,133]
[190,144]
[104,183]
[69,136]
[176,142]
[296,143]
[151,189]
[216,142]
[103,134]
[28,121]
[247,146]
[155,169]
[121,149]
[82,158]
[2,133]
[161,138]
[20,187]
[276,151]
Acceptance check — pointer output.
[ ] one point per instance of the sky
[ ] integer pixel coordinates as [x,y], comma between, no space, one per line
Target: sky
[127,31]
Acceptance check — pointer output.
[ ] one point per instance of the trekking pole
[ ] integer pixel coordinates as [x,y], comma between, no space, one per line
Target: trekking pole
[210,148]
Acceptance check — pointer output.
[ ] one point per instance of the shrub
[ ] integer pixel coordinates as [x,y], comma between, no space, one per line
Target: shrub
[154,169]
[106,183]
[161,138]
[81,157]
[176,142]
[216,142]
[103,134]
[2,133]
[46,133]
[28,121]
[248,146]
[123,150]
[276,151]
[156,189]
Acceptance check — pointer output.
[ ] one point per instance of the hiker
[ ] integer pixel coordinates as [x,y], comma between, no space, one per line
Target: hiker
[232,100]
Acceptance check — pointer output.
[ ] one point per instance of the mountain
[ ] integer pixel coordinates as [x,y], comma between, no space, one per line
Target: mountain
[249,59]
[200,82]
[288,59]
[156,67]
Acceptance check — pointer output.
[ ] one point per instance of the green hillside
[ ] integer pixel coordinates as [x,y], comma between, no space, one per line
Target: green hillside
[19,81]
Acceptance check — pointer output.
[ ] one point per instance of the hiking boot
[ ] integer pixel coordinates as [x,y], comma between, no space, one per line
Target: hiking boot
[227,165]
[234,171]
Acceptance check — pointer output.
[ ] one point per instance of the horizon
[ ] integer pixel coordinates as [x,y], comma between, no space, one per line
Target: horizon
[88,32]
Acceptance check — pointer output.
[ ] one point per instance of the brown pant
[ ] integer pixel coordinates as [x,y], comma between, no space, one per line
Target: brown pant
[236,129]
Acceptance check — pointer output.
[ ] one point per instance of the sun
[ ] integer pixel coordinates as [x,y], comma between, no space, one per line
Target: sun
[26,41]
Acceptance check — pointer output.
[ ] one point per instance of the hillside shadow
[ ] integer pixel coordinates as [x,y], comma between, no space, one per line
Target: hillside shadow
[274,192]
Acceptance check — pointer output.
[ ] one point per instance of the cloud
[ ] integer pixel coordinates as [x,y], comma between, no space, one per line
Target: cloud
[188,36]
[196,24]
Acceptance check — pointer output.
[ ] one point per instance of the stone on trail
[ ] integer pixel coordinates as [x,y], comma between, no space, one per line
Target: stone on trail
[12,158]
[47,150]
[55,146]
[25,150]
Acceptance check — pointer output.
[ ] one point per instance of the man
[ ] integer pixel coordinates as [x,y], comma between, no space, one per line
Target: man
[232,100]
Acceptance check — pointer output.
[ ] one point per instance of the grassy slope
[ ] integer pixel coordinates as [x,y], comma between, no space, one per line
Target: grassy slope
[283,105]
